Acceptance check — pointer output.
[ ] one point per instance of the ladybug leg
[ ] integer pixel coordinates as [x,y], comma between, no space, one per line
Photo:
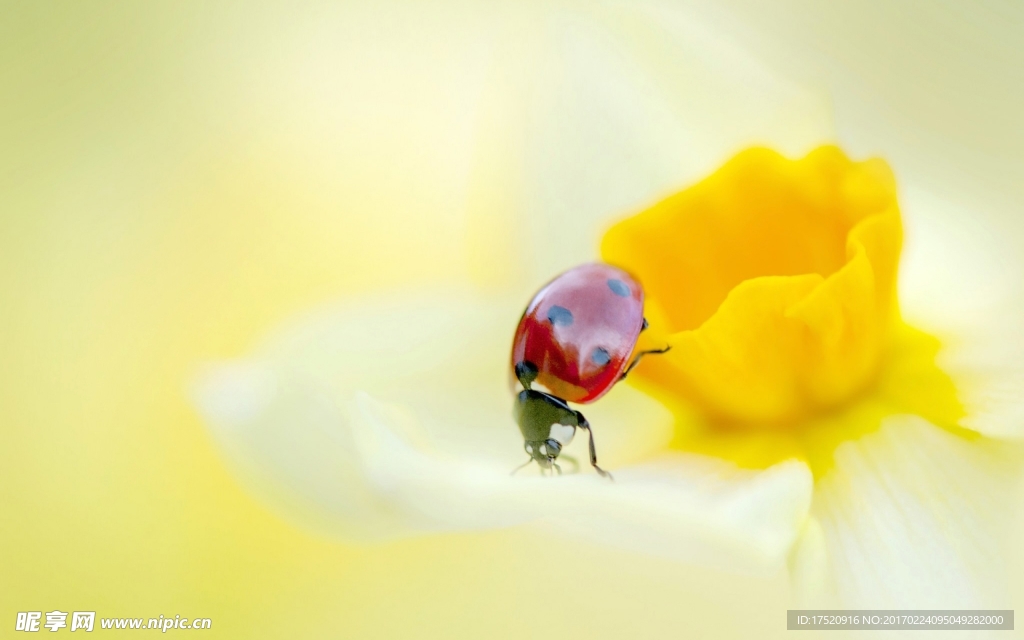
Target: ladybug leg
[526,371]
[573,461]
[636,360]
[583,424]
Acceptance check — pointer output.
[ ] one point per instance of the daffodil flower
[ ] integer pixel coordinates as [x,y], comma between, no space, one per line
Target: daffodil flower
[817,411]
[806,419]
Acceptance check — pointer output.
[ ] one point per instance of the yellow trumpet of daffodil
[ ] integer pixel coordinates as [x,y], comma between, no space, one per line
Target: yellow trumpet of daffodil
[776,281]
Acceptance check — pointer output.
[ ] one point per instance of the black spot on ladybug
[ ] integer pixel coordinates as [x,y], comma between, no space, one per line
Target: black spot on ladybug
[618,287]
[559,316]
[600,356]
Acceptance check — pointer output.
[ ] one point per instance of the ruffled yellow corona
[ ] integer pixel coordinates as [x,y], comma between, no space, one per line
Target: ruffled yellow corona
[774,281]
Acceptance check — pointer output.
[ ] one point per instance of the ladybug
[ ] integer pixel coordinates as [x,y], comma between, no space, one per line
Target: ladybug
[573,344]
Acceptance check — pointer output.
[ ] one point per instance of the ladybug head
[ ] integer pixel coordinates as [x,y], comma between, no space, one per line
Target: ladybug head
[544,452]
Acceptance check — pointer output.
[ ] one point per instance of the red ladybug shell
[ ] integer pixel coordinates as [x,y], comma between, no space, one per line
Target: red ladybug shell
[580,330]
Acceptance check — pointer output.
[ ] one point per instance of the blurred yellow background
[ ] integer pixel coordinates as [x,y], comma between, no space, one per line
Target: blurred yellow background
[176,178]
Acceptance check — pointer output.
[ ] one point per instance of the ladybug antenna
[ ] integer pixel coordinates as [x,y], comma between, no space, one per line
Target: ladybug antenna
[521,466]
[526,371]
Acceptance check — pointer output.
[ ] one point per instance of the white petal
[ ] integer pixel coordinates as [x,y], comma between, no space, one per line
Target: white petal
[291,444]
[960,280]
[596,111]
[684,507]
[988,370]
[437,455]
[910,517]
